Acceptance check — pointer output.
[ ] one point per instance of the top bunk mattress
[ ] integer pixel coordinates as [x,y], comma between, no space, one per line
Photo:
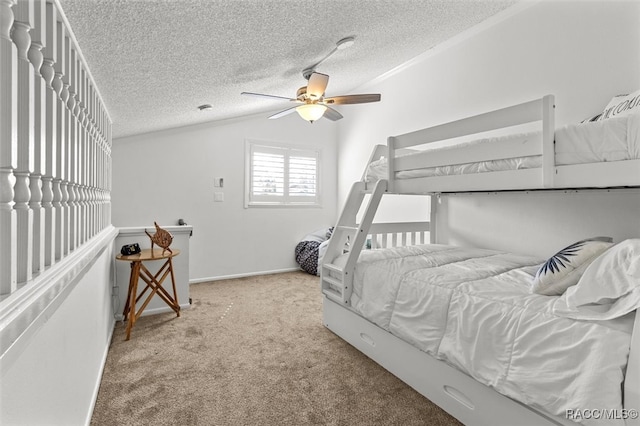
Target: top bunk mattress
[473,309]
[614,139]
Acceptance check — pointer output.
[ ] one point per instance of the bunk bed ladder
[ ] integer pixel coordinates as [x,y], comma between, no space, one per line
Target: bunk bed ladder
[337,280]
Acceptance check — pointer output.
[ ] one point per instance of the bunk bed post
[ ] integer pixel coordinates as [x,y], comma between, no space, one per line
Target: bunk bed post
[434,200]
[391,153]
[548,141]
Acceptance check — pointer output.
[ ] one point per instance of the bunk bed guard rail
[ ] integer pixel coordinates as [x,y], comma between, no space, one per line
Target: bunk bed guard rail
[538,110]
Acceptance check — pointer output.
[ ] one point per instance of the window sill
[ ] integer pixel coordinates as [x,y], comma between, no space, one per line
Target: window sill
[281,205]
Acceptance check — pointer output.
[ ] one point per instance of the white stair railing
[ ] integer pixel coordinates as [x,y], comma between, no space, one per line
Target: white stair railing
[55,144]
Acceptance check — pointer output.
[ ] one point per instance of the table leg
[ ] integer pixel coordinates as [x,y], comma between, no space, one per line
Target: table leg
[175,293]
[135,274]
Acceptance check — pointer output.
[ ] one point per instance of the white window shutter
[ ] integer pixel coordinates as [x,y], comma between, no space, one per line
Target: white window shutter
[303,176]
[280,175]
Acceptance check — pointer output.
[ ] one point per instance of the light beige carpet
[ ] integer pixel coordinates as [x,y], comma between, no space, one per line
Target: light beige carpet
[250,351]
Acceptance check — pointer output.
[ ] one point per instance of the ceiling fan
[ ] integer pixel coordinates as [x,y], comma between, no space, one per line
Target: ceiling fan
[312,102]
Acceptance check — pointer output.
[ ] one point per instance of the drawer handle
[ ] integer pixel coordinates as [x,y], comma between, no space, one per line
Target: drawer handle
[367,339]
[458,396]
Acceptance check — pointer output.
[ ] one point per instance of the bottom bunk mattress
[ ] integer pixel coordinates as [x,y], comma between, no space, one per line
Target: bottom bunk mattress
[473,309]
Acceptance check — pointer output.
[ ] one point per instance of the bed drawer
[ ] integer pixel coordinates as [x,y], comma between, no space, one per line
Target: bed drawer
[461,396]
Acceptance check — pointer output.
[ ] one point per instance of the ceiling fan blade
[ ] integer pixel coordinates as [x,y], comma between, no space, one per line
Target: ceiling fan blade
[267,96]
[332,114]
[283,113]
[352,99]
[317,85]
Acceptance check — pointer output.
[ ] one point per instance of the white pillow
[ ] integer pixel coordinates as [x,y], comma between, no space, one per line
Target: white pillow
[621,105]
[565,268]
[609,287]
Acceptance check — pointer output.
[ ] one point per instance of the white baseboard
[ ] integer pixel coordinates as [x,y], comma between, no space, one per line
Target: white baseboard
[103,363]
[248,274]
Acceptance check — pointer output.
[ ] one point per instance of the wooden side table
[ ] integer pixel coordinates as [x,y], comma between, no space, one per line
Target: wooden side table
[153,283]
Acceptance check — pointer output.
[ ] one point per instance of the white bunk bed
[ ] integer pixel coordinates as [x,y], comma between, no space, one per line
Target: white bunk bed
[467,399]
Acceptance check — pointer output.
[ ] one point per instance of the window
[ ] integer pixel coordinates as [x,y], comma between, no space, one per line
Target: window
[281,175]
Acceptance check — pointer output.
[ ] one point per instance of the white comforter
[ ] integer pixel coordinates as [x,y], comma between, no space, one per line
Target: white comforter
[472,308]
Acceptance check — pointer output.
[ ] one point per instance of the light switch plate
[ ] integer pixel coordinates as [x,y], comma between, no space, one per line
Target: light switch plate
[218,196]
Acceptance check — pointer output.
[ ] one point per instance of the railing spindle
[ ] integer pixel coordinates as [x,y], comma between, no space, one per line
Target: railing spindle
[8,149]
[51,102]
[23,22]
[36,58]
[58,84]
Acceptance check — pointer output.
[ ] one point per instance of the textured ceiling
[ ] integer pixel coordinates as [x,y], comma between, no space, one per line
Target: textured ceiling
[156,61]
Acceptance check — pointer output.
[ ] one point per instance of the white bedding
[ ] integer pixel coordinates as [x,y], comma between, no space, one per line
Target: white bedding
[614,139]
[473,309]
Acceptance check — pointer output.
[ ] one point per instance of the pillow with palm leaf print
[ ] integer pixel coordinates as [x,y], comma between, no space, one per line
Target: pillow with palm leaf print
[565,268]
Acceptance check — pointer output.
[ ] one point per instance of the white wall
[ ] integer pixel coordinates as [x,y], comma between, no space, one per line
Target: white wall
[583,52]
[169,175]
[52,376]
[537,223]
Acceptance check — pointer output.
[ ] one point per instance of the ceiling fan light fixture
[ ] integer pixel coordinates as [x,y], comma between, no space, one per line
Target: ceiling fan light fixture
[311,112]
